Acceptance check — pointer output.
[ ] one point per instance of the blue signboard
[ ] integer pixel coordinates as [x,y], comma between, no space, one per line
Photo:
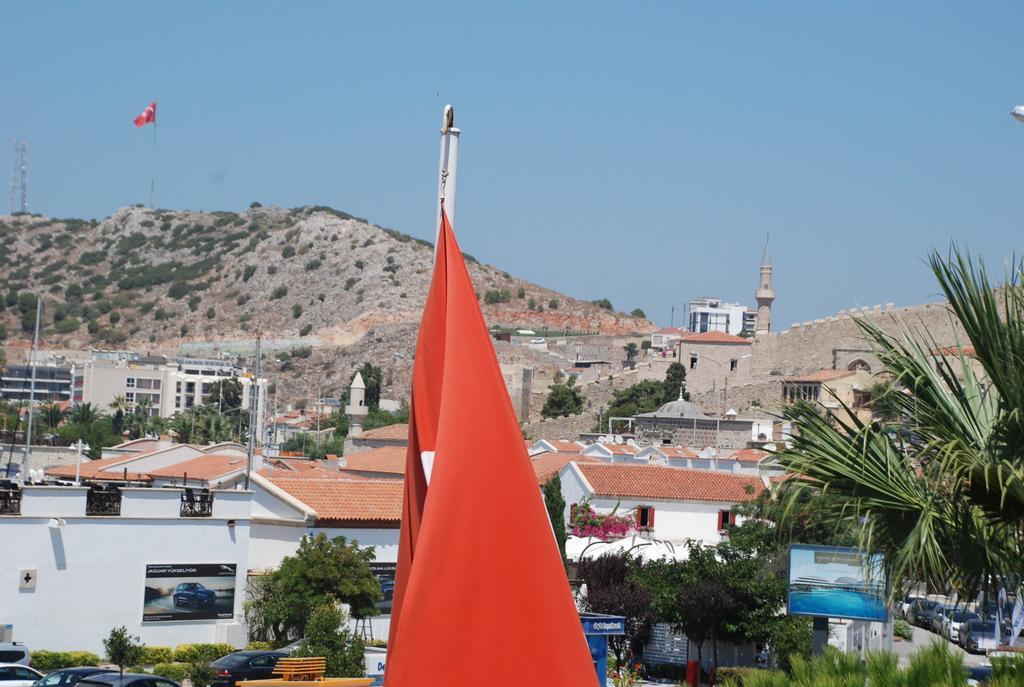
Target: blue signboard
[834,582]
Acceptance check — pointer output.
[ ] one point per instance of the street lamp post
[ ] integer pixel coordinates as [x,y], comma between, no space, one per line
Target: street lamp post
[79,448]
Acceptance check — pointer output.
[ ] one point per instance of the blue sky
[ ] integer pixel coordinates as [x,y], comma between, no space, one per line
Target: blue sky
[635,151]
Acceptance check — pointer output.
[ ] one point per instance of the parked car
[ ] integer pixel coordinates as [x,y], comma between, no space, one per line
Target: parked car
[15,653]
[954,621]
[980,636]
[905,606]
[244,665]
[18,675]
[920,612]
[65,677]
[939,617]
[127,680]
[193,594]
[979,675]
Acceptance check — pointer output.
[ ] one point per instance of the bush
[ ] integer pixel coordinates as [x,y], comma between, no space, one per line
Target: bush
[278,293]
[296,311]
[259,646]
[306,329]
[171,671]
[901,628]
[190,653]
[521,293]
[497,296]
[67,325]
[152,655]
[210,313]
[553,304]
[735,674]
[55,660]
[193,303]
[288,252]
[200,674]
[312,265]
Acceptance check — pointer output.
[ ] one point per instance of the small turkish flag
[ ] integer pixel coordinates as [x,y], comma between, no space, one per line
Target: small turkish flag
[148,116]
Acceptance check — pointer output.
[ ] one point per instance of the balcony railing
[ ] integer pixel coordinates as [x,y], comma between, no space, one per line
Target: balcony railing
[99,502]
[10,501]
[196,504]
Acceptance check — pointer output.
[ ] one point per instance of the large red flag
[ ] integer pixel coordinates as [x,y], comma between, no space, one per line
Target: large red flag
[479,570]
[148,116]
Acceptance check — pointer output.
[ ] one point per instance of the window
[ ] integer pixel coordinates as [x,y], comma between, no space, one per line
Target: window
[693,362]
[144,384]
[177,401]
[861,399]
[129,396]
[129,382]
[177,387]
[264,662]
[725,518]
[733,365]
[190,387]
[645,517]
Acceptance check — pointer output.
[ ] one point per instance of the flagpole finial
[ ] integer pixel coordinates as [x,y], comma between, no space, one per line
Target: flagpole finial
[448,123]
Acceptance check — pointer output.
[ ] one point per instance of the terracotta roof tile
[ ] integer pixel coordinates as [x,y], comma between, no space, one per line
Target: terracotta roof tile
[715,338]
[346,500]
[389,459]
[676,452]
[547,465]
[672,484]
[90,468]
[747,455]
[210,466]
[388,433]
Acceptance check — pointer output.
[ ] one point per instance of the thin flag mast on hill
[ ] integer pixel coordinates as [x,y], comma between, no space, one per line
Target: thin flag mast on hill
[148,116]
[478,564]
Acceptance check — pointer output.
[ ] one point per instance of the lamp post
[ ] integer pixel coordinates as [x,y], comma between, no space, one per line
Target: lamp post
[79,448]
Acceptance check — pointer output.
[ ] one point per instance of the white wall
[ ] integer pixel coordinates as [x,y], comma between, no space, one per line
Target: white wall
[91,572]
[674,521]
[270,543]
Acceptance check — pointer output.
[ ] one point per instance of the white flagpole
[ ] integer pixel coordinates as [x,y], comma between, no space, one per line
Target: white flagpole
[447,170]
[152,167]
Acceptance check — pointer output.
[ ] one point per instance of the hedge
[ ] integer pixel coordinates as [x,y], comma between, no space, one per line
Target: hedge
[55,660]
[190,653]
[171,671]
[735,675]
[259,646]
[151,655]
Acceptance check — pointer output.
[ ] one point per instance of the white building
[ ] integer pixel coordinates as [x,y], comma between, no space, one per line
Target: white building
[165,386]
[714,315]
[670,505]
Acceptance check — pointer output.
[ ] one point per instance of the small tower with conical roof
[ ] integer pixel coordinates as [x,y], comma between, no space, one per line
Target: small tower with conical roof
[356,409]
[765,294]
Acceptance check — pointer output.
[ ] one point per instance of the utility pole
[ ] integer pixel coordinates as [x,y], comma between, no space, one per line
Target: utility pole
[254,401]
[32,388]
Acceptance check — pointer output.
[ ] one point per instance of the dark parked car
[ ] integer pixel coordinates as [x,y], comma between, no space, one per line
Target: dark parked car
[920,612]
[980,636]
[65,677]
[245,665]
[193,594]
[128,680]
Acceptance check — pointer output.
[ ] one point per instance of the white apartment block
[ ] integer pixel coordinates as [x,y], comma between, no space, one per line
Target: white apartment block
[164,386]
[715,315]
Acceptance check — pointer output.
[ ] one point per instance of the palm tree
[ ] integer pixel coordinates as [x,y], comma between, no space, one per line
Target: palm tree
[52,414]
[181,424]
[85,414]
[943,496]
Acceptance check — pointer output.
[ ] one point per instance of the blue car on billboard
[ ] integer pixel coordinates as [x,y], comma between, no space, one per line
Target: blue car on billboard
[193,594]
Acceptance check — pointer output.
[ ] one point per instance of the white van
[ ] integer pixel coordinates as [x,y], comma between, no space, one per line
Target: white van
[15,653]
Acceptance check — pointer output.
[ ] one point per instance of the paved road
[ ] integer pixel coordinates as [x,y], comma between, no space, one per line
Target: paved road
[922,638]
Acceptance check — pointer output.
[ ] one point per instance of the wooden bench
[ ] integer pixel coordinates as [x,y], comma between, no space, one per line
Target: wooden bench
[290,669]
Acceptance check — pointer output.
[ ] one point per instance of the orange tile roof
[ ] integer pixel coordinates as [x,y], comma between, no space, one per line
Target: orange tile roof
[622,449]
[968,351]
[346,500]
[547,465]
[715,338]
[389,459]
[563,445]
[207,467]
[819,376]
[388,433]
[676,452]
[672,484]
[90,468]
[747,455]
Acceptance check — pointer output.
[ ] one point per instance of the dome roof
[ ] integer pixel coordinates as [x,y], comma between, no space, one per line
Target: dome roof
[679,408]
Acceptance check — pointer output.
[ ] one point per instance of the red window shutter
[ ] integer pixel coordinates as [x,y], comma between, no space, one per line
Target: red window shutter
[650,517]
[721,519]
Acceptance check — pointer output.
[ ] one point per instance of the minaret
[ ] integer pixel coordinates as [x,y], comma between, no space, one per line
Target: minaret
[356,408]
[765,294]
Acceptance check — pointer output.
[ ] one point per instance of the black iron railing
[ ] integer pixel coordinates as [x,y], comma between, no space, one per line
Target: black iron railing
[10,501]
[196,504]
[99,502]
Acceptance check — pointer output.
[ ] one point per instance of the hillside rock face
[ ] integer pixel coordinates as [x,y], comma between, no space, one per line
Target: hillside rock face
[159,280]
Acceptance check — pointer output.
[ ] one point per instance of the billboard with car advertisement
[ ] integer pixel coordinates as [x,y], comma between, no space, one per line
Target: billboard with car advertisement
[202,591]
[834,582]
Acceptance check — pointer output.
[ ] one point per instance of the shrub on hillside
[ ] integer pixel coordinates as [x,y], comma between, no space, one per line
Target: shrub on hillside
[278,293]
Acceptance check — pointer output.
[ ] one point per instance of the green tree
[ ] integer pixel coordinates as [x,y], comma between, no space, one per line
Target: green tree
[675,382]
[643,397]
[637,312]
[328,635]
[603,303]
[382,418]
[563,399]
[52,415]
[942,500]
[555,503]
[372,378]
[612,588]
[27,311]
[631,351]
[322,571]
[226,394]
[84,414]
[122,648]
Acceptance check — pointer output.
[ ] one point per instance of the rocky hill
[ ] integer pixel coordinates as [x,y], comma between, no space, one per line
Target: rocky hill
[159,280]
